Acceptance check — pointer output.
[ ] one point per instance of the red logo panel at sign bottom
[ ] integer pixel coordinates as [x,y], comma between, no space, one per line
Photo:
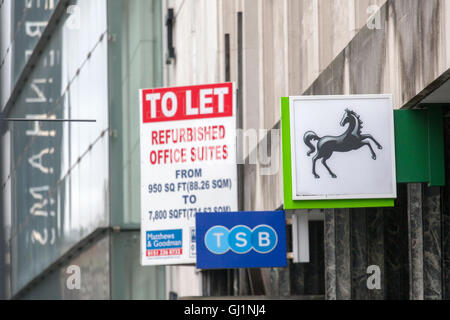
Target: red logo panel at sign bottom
[164,252]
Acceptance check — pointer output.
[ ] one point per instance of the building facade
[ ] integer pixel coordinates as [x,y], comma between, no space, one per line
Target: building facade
[273,49]
[70,190]
[67,185]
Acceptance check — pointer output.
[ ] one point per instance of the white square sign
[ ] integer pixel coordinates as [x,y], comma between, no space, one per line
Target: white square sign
[343,147]
[188,165]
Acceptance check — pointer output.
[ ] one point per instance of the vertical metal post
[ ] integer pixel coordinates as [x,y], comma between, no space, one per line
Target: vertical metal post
[240,104]
[233,275]
[243,276]
[227,58]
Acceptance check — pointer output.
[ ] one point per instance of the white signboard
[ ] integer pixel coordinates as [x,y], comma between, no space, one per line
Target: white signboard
[342,147]
[188,165]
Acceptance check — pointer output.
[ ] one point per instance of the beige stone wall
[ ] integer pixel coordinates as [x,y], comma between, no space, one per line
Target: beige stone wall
[196,42]
[287,44]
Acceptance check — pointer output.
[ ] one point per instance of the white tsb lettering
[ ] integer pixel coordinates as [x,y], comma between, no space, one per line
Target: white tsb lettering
[263,239]
[218,235]
[240,236]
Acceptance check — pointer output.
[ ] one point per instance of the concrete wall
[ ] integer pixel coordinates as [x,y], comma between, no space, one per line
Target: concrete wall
[195,41]
[286,44]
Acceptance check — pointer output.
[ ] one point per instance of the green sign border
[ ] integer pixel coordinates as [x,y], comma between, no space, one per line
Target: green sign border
[290,204]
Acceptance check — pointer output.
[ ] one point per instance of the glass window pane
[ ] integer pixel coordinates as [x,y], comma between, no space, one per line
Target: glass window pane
[23,22]
[135,62]
[129,279]
[60,170]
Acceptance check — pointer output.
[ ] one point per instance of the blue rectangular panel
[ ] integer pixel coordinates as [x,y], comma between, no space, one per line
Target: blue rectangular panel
[241,240]
[164,243]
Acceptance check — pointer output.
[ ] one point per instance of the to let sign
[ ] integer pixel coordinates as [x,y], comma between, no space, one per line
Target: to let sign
[188,165]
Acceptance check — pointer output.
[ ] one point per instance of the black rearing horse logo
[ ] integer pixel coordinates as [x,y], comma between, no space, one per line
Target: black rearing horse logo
[351,140]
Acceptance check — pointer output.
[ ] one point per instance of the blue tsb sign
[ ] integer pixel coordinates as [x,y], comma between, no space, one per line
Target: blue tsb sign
[241,240]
